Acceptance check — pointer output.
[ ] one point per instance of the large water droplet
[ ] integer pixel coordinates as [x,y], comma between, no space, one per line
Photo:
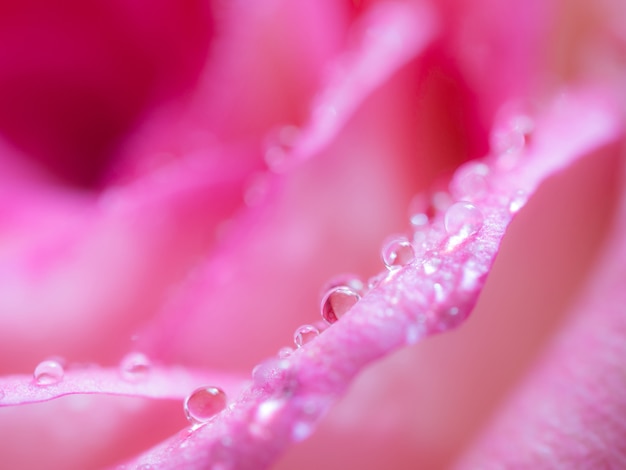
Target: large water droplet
[337,302]
[463,219]
[204,403]
[305,334]
[398,252]
[135,367]
[48,372]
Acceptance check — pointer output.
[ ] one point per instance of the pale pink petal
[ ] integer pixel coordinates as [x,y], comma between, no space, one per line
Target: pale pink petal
[151,381]
[570,408]
[433,294]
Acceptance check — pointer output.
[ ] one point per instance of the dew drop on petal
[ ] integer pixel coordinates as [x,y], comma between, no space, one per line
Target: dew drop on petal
[304,334]
[285,352]
[135,367]
[463,219]
[418,220]
[274,375]
[48,372]
[337,302]
[204,403]
[398,252]
[375,280]
[510,137]
[470,180]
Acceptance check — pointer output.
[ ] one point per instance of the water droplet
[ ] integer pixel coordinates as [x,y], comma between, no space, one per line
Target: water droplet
[337,302]
[280,146]
[274,375]
[509,137]
[470,180]
[418,221]
[398,252]
[375,280]
[517,201]
[463,219]
[305,334]
[285,352]
[48,372]
[135,366]
[204,403]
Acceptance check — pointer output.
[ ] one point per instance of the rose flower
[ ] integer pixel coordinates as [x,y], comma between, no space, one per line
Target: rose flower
[313,234]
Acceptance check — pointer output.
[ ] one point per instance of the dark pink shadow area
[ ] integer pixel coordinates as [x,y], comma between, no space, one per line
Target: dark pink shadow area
[76,77]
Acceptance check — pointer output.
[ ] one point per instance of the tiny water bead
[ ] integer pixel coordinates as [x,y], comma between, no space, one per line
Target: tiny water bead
[305,334]
[48,372]
[135,367]
[337,302]
[398,252]
[204,403]
[463,219]
[285,352]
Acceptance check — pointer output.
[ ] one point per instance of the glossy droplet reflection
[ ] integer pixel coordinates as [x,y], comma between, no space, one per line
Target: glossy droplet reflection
[337,302]
[48,372]
[398,252]
[463,219]
[135,366]
[204,403]
[285,352]
[305,334]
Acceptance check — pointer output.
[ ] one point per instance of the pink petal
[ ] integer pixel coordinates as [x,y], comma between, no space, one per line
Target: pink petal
[286,401]
[158,382]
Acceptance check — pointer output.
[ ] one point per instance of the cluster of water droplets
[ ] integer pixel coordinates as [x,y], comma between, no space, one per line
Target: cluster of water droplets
[440,221]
